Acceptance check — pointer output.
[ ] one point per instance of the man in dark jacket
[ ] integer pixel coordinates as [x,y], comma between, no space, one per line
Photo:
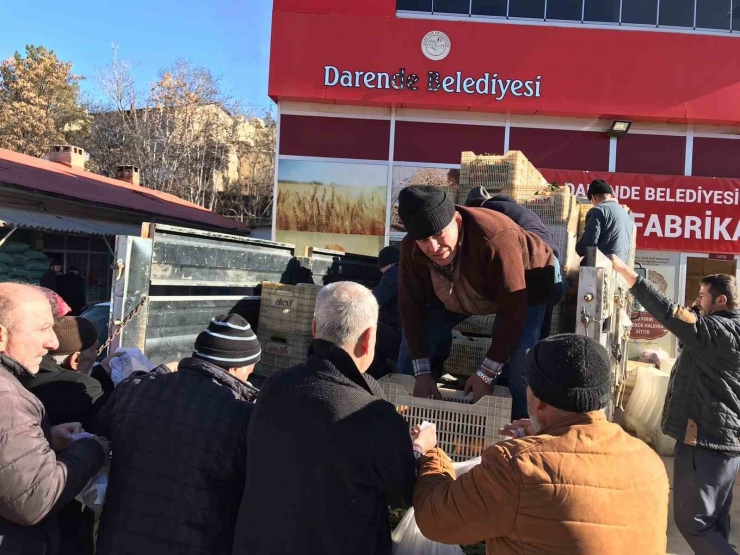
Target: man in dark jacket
[69,395]
[608,225]
[389,319]
[49,279]
[180,446]
[528,220]
[62,384]
[476,262]
[72,287]
[327,455]
[702,406]
[40,471]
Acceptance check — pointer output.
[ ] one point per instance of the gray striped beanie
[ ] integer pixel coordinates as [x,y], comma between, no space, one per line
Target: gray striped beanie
[228,342]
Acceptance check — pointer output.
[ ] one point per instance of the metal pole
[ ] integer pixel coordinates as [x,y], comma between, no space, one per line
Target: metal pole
[7,236]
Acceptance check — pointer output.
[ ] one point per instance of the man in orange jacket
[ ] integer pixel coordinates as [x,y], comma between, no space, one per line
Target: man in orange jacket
[569,483]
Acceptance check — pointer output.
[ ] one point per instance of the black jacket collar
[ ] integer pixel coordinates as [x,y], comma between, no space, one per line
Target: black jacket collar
[197,366]
[332,360]
[15,368]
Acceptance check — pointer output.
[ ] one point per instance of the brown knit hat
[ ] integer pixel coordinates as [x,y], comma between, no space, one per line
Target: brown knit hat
[75,335]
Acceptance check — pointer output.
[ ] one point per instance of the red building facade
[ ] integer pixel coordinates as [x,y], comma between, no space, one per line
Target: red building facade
[380,94]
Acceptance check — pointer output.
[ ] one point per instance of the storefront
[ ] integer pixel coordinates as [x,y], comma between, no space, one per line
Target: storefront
[374,96]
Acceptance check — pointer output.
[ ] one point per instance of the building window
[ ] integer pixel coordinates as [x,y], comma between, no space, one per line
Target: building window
[414,5]
[640,12]
[490,7]
[601,11]
[451,6]
[713,14]
[677,13]
[567,10]
[530,9]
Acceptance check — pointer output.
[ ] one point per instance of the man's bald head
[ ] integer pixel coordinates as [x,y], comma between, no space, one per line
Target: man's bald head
[26,324]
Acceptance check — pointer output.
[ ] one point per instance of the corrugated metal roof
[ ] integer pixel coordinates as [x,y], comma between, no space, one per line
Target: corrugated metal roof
[52,177]
[11,217]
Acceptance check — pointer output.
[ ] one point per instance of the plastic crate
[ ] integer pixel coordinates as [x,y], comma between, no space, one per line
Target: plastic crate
[281,351]
[464,430]
[287,308]
[466,356]
[511,174]
[477,325]
[570,262]
[556,208]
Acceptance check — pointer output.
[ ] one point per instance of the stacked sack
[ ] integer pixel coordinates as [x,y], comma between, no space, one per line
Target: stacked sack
[20,263]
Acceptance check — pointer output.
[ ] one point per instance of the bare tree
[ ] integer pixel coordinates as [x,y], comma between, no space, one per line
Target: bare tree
[187,137]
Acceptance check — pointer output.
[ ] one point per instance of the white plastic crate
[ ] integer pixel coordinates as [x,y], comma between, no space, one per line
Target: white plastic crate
[466,355]
[555,208]
[287,308]
[464,430]
[477,325]
[511,174]
[281,351]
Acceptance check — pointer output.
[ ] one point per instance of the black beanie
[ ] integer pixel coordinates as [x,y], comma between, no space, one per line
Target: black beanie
[477,196]
[599,187]
[388,255]
[229,342]
[425,210]
[570,372]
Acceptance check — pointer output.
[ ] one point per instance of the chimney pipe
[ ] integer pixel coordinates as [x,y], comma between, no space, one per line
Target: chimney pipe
[129,174]
[72,156]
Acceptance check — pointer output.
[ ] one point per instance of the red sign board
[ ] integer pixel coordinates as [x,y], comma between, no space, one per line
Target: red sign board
[646,327]
[716,256]
[361,53]
[672,213]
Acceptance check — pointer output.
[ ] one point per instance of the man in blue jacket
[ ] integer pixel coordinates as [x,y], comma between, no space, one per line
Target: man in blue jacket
[608,226]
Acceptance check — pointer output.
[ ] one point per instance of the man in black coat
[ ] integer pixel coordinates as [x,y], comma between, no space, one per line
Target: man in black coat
[62,384]
[388,341]
[72,287]
[327,455]
[702,406]
[49,279]
[180,446]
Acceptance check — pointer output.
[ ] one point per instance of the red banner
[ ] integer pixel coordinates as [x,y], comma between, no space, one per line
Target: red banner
[672,213]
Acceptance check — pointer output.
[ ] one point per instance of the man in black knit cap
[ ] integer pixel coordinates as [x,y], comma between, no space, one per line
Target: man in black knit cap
[180,444]
[458,262]
[569,481]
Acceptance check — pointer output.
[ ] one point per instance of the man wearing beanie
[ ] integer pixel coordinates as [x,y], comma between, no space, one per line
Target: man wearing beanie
[608,225]
[568,482]
[62,384]
[457,262]
[180,448]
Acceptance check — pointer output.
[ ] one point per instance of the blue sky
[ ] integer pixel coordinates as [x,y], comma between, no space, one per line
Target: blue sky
[230,37]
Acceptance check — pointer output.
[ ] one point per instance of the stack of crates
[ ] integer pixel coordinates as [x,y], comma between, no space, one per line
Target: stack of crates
[286,315]
[511,175]
[464,430]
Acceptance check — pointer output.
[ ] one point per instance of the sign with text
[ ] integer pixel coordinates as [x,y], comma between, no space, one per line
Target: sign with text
[689,214]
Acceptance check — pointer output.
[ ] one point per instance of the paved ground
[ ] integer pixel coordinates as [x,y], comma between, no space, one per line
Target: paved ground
[676,544]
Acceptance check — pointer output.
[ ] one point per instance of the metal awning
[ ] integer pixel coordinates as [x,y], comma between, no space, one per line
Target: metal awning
[11,217]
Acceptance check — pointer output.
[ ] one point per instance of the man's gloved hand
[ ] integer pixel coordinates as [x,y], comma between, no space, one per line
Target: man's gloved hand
[425,387]
[478,387]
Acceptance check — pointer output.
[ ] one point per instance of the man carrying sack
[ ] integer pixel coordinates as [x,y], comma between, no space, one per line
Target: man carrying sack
[457,262]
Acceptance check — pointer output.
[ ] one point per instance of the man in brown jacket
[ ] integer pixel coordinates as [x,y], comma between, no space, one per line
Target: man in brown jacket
[40,471]
[569,483]
[457,262]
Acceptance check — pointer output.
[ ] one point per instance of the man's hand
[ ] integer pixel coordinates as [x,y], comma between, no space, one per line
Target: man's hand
[629,274]
[61,435]
[518,428]
[478,387]
[425,439]
[426,387]
[105,363]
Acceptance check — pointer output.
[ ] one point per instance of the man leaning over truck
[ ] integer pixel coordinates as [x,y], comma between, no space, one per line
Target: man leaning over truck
[471,261]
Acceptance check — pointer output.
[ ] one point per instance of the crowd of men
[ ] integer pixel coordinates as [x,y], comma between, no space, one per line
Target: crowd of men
[201,462]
